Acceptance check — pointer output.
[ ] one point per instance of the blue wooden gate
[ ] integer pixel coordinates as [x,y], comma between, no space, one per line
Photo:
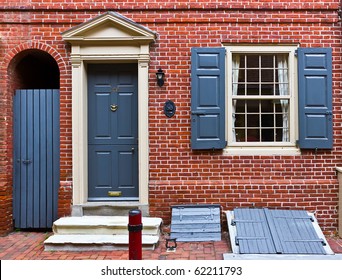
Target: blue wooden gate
[36,157]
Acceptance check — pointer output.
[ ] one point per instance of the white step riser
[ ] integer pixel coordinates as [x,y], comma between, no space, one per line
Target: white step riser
[104,233]
[111,230]
[91,247]
[103,225]
[95,242]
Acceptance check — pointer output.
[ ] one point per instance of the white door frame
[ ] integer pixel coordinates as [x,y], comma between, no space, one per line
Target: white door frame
[101,41]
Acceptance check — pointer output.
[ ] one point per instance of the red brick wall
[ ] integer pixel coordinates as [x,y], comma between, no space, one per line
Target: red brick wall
[178,174]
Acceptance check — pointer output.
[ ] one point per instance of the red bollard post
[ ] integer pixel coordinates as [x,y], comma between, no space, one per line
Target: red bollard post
[135,235]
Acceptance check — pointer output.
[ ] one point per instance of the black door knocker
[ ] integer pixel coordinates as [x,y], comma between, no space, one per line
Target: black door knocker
[169,108]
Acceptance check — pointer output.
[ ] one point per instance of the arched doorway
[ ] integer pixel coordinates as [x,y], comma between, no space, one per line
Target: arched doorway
[35,80]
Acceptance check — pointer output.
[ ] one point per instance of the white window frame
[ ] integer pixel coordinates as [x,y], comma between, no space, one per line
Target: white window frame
[263,148]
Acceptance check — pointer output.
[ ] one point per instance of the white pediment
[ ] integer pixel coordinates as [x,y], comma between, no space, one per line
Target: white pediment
[110,26]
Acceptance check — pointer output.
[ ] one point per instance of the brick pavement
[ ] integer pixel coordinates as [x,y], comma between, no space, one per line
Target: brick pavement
[29,246]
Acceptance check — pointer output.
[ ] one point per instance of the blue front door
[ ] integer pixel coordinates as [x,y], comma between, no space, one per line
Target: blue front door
[112,132]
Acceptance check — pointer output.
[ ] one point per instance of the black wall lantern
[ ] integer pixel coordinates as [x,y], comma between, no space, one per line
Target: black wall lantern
[160,77]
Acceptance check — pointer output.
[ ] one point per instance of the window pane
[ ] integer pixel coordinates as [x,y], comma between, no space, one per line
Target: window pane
[279,134]
[253,120]
[241,89]
[253,135]
[252,106]
[267,106]
[242,61]
[267,120]
[281,105]
[253,89]
[279,119]
[257,119]
[252,75]
[267,61]
[240,135]
[240,120]
[241,76]
[267,89]
[267,135]
[252,61]
[267,75]
[239,106]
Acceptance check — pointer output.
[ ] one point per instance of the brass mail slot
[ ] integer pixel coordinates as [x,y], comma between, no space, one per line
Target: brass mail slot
[112,193]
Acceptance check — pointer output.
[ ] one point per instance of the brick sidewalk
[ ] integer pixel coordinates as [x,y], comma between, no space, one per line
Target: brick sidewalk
[29,246]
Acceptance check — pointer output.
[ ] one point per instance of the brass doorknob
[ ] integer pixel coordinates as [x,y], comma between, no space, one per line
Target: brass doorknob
[113,107]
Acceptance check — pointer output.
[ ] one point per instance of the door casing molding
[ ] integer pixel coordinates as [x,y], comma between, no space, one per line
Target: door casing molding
[109,38]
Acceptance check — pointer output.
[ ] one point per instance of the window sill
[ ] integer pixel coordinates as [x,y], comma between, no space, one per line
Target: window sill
[262,151]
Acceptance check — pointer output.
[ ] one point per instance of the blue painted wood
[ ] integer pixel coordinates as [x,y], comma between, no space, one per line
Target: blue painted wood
[293,232]
[196,222]
[315,98]
[36,160]
[253,234]
[112,85]
[29,157]
[36,157]
[208,98]
[112,134]
[112,168]
[265,231]
[23,156]
[17,157]
[43,148]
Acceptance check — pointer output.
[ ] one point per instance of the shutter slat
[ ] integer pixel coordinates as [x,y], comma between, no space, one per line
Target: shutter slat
[208,98]
[315,98]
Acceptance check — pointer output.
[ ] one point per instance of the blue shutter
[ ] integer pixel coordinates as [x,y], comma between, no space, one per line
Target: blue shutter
[315,98]
[208,98]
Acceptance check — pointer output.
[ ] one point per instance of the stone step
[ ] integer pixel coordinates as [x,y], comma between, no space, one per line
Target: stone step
[108,208]
[95,242]
[102,225]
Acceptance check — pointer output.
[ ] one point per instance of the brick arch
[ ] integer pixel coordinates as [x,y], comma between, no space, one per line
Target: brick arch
[11,59]
[30,45]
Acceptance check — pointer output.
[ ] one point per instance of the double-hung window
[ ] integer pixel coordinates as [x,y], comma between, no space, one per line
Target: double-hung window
[261,99]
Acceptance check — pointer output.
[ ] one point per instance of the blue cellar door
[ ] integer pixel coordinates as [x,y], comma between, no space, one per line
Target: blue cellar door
[36,157]
[112,132]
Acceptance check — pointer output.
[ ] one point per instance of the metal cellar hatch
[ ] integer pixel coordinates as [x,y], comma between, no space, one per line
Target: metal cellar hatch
[265,231]
[196,223]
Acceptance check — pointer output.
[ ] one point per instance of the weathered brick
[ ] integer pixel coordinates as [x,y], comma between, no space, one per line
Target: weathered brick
[178,174]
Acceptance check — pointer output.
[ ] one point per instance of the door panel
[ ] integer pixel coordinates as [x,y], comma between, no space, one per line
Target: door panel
[106,126]
[127,169]
[112,168]
[36,157]
[112,132]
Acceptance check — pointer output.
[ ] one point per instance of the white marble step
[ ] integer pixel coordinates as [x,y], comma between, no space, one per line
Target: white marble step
[95,242]
[110,225]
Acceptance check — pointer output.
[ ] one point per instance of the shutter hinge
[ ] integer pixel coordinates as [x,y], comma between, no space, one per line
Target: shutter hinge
[296,52]
[297,143]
